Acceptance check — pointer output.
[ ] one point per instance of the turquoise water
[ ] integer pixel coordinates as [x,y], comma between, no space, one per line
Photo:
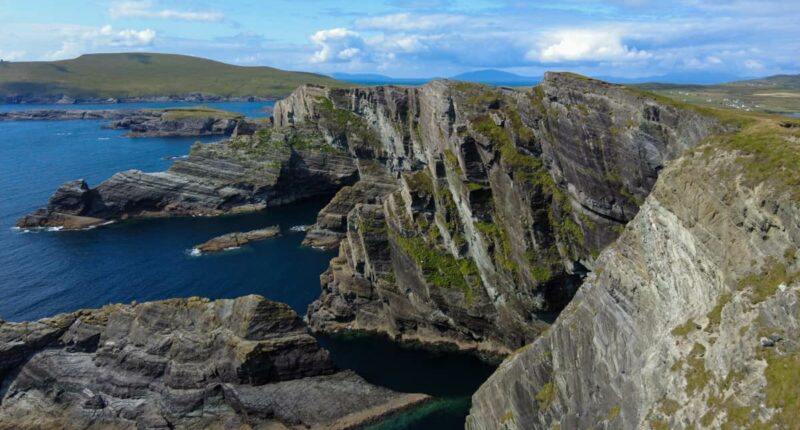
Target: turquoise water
[44,273]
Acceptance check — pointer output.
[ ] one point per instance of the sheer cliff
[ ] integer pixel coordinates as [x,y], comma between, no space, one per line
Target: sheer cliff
[690,319]
[502,200]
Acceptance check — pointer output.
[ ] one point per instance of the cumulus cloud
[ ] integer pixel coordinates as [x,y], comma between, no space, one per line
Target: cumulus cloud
[76,40]
[148,10]
[337,45]
[564,46]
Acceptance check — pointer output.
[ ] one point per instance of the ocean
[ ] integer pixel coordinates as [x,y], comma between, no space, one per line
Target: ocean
[43,273]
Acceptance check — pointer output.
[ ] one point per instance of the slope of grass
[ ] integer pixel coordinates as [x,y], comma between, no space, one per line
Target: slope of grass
[148,75]
[199,112]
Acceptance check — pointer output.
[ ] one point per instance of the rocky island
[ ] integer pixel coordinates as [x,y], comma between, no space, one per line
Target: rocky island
[182,363]
[631,257]
[168,122]
[237,239]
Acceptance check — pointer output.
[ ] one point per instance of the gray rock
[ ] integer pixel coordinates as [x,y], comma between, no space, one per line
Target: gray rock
[186,363]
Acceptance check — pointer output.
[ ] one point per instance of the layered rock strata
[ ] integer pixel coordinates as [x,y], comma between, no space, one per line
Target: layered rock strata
[236,239]
[182,363]
[503,200]
[472,212]
[691,319]
[247,173]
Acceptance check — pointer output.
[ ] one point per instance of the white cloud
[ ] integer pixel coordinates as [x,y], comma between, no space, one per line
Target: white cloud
[76,40]
[584,45]
[11,55]
[146,9]
[407,21]
[336,45]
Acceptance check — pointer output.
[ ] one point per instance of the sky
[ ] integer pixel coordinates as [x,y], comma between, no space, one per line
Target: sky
[424,38]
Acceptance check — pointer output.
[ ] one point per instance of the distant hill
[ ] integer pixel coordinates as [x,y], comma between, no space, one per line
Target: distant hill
[137,75]
[488,76]
[497,77]
[777,94]
[376,79]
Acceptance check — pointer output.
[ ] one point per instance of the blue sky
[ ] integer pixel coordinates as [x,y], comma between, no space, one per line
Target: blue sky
[418,38]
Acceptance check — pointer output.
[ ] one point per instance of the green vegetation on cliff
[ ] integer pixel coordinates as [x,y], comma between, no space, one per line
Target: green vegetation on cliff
[148,75]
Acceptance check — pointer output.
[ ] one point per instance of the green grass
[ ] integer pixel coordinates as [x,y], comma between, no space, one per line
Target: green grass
[440,268]
[783,388]
[198,112]
[148,75]
[765,284]
[545,396]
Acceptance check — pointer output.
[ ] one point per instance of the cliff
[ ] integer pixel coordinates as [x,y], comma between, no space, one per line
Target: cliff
[247,173]
[690,319]
[502,200]
[183,363]
[469,214]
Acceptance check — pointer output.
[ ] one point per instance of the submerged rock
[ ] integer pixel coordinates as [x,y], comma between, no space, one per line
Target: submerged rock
[235,240]
[185,363]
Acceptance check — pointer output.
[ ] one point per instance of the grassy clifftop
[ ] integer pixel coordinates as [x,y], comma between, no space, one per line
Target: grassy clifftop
[147,75]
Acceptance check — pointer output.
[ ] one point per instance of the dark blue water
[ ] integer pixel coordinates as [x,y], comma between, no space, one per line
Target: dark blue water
[44,273]
[251,109]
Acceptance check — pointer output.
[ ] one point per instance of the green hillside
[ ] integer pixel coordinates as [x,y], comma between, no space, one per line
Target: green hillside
[147,75]
[780,93]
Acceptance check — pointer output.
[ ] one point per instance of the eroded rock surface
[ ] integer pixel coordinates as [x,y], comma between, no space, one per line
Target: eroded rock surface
[237,239]
[502,200]
[469,213]
[690,320]
[182,363]
[247,173]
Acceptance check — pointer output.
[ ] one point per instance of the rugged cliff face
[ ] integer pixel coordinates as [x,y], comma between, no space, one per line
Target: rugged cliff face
[185,363]
[502,200]
[691,319]
[469,213]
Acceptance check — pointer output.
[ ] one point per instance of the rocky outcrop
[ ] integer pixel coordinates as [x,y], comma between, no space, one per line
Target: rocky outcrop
[142,123]
[247,173]
[236,240]
[502,200]
[690,319]
[182,363]
[375,182]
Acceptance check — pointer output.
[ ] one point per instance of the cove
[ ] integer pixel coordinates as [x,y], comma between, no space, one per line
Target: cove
[46,273]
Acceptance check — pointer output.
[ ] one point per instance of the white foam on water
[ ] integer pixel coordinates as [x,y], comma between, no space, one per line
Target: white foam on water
[103,138]
[59,228]
[299,228]
[194,252]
